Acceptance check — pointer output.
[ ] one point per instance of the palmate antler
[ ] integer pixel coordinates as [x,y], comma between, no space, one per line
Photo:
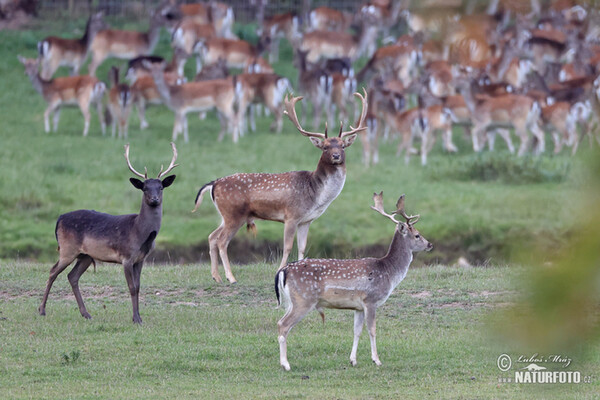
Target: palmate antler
[290,111]
[378,200]
[145,174]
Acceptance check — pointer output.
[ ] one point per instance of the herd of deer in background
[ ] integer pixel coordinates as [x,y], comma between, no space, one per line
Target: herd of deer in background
[488,73]
[517,66]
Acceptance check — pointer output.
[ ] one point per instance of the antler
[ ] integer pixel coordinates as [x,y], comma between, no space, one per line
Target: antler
[378,199]
[172,165]
[145,175]
[290,111]
[361,120]
[400,210]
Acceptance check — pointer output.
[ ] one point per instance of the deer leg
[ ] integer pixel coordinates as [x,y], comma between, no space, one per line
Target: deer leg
[225,236]
[184,120]
[301,236]
[359,319]
[176,126]
[425,146]
[49,110]
[252,117]
[113,118]
[505,134]
[80,267]
[522,133]
[557,141]
[448,144]
[55,119]
[214,254]
[100,111]
[84,106]
[294,315]
[134,287]
[59,267]
[370,317]
[289,230]
[223,123]
[141,107]
[541,138]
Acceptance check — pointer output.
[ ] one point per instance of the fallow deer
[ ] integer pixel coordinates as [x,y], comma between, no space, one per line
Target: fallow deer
[126,44]
[333,44]
[188,32]
[81,90]
[219,14]
[510,110]
[55,52]
[89,236]
[261,88]
[329,19]
[218,94]
[315,84]
[237,53]
[278,26]
[120,101]
[361,285]
[143,87]
[294,198]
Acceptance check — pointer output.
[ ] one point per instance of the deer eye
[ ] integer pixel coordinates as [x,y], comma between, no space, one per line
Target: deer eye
[417,236]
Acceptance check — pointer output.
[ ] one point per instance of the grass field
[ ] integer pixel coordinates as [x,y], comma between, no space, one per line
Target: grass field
[471,205]
[436,339]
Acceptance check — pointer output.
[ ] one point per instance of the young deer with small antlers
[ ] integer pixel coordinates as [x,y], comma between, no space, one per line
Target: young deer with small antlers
[87,236]
[294,198]
[80,90]
[361,285]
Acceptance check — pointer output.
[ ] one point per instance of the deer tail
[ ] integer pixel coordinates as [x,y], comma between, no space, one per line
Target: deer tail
[200,195]
[280,278]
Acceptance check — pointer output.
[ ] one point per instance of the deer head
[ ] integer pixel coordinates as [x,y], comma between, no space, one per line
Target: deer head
[332,147]
[405,229]
[152,188]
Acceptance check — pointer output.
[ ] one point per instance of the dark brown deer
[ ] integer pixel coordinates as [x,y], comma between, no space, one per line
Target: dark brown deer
[294,198]
[87,236]
[361,285]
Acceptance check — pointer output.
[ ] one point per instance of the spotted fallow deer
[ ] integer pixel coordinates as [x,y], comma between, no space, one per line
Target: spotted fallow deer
[361,285]
[55,52]
[81,90]
[89,236]
[126,44]
[294,198]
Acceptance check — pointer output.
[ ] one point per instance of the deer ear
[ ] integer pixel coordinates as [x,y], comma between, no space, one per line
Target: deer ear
[348,140]
[317,142]
[137,183]
[402,228]
[168,180]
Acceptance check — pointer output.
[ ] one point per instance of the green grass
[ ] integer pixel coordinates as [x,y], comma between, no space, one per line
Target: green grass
[203,340]
[464,210]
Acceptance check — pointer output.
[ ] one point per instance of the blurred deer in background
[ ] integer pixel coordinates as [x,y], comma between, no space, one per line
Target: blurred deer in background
[361,285]
[120,101]
[81,90]
[55,52]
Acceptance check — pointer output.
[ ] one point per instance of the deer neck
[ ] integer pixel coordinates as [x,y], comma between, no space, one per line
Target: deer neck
[162,87]
[398,258]
[38,83]
[327,173]
[148,220]
[153,34]
[469,99]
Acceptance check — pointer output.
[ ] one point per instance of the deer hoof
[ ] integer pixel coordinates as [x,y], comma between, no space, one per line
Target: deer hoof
[353,363]
[42,311]
[217,279]
[377,362]
[86,315]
